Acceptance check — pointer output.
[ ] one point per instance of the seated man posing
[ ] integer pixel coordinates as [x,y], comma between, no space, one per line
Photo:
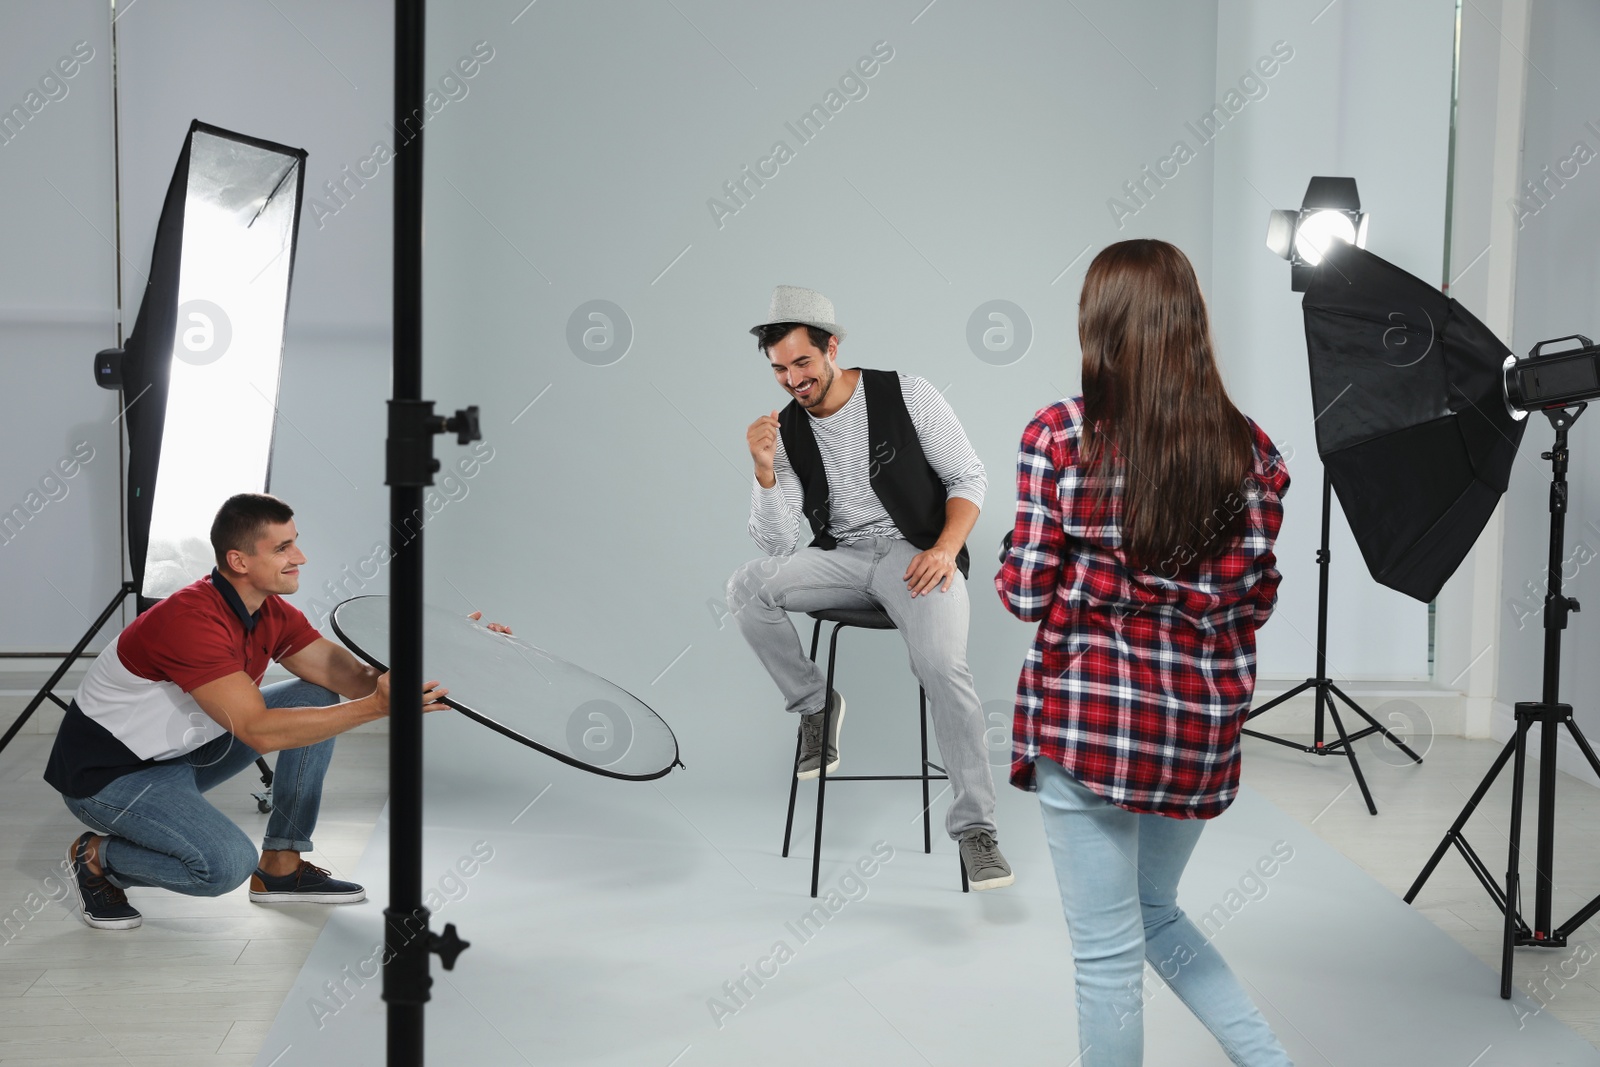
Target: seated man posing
[879,467]
[173,706]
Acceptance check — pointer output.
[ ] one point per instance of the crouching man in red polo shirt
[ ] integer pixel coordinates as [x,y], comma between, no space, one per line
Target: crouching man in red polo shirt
[174,706]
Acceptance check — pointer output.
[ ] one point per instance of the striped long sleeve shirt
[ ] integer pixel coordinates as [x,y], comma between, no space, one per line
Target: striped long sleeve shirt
[777,515]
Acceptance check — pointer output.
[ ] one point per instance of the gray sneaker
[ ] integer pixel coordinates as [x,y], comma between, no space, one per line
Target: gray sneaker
[986,867]
[811,739]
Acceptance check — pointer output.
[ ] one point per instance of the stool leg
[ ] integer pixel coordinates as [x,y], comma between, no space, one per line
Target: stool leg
[927,820]
[794,783]
[822,770]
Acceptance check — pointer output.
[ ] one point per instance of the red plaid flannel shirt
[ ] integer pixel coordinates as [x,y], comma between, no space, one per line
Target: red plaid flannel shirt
[1138,680]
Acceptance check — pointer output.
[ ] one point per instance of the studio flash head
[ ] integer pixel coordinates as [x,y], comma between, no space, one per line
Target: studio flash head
[1554,379]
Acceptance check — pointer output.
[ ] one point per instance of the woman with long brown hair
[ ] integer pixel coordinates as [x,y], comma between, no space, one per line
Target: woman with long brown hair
[1146,514]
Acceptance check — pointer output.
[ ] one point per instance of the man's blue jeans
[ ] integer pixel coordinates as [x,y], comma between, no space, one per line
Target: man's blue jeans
[1119,872]
[161,831]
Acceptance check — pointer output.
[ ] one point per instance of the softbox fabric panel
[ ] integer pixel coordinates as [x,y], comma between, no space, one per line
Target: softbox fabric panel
[1411,421]
[202,364]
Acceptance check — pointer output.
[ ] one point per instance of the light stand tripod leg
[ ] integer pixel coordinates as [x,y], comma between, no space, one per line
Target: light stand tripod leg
[48,692]
[1321,684]
[1275,701]
[1376,725]
[1453,835]
[1350,752]
[1585,913]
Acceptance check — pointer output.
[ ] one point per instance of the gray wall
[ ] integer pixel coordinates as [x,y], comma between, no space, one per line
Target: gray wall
[976,167]
[576,164]
[306,74]
[1367,94]
[979,166]
[1558,290]
[59,542]
[318,77]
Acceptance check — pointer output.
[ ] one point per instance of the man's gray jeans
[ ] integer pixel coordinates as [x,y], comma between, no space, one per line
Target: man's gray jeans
[870,574]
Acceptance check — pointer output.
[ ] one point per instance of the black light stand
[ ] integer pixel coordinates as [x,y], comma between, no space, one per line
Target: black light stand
[1547,713]
[48,692]
[1325,689]
[410,467]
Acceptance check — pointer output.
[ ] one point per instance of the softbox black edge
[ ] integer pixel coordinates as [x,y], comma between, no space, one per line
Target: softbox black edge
[145,376]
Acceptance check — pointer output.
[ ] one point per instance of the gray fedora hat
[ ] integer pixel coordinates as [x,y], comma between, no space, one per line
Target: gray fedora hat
[790,303]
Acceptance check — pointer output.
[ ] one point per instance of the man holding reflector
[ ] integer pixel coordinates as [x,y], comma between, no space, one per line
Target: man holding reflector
[173,706]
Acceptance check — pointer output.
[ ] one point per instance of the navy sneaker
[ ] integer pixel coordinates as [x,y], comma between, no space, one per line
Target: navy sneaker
[309,884]
[102,905]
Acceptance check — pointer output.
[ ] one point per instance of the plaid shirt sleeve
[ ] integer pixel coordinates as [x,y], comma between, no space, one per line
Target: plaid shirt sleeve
[1271,478]
[1036,545]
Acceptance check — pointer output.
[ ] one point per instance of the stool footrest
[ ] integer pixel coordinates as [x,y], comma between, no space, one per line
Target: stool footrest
[886,777]
[935,766]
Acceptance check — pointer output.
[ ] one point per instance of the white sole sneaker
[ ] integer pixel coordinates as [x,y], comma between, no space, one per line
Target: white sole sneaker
[260,894]
[983,862]
[806,776]
[94,922]
[991,883]
[838,725]
[307,898]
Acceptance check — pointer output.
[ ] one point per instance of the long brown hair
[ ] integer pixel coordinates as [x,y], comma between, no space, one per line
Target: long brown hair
[1156,411]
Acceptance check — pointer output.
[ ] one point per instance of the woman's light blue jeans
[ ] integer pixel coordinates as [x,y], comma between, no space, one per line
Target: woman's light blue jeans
[162,832]
[1119,872]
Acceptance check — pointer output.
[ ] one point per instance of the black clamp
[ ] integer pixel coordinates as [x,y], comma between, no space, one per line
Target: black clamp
[408,456]
[405,973]
[448,945]
[1558,607]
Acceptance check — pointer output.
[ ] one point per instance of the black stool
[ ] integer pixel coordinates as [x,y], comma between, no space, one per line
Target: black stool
[866,619]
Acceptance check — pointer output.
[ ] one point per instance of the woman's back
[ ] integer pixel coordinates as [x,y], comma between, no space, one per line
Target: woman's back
[1147,510]
[1138,680]
[1220,575]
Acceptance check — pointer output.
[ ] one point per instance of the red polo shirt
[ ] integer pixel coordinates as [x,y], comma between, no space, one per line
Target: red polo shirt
[133,708]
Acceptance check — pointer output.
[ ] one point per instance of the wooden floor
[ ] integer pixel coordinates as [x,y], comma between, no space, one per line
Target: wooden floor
[202,985]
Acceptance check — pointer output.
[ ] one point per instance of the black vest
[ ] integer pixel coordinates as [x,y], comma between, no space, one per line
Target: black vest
[907,486]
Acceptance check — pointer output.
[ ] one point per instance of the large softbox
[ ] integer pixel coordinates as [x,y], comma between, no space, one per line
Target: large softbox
[1412,423]
[200,372]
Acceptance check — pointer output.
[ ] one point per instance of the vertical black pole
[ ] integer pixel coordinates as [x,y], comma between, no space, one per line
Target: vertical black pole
[405,973]
[1555,620]
[1323,556]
